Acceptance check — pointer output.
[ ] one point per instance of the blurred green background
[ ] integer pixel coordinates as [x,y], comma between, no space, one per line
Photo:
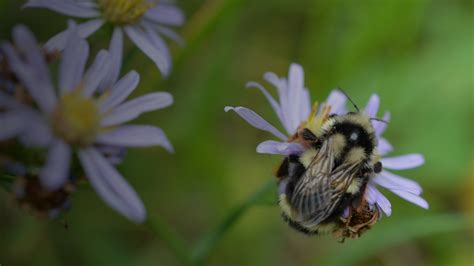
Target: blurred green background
[417,55]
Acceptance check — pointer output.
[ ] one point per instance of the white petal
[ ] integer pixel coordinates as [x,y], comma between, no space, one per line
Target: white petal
[380,127]
[115,52]
[141,41]
[398,183]
[283,148]
[417,200]
[295,89]
[65,7]
[337,100]
[55,172]
[133,108]
[120,91]
[384,146]
[96,73]
[373,106]
[305,106]
[392,181]
[72,65]
[374,196]
[111,186]
[285,104]
[269,97]
[84,30]
[135,136]
[256,121]
[403,162]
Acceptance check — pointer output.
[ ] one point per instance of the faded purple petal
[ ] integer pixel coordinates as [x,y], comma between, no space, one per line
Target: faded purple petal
[55,172]
[256,121]
[158,43]
[96,73]
[133,108]
[392,181]
[12,124]
[283,148]
[120,91]
[7,101]
[115,52]
[111,186]
[30,77]
[29,48]
[135,136]
[384,146]
[170,34]
[72,65]
[282,186]
[66,7]
[37,132]
[373,106]
[166,14]
[403,162]
[337,100]
[346,212]
[139,37]
[84,30]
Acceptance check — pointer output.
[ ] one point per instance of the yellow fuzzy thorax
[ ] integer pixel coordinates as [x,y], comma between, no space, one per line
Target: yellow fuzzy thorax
[76,119]
[125,12]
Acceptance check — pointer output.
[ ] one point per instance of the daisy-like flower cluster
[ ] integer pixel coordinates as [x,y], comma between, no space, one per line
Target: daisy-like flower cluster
[293,109]
[83,114]
[144,21]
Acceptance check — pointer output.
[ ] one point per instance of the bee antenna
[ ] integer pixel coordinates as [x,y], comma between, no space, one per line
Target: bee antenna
[378,119]
[349,98]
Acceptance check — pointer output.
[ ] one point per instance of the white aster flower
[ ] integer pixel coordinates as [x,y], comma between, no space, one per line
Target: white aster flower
[76,118]
[294,109]
[144,21]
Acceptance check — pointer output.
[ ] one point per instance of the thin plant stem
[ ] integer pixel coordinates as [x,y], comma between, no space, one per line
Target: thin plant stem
[213,237]
[174,242]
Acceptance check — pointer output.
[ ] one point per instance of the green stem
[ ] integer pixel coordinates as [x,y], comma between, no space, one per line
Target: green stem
[128,59]
[211,239]
[162,230]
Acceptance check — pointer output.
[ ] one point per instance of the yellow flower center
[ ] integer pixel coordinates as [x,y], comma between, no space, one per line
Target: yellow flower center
[125,12]
[76,119]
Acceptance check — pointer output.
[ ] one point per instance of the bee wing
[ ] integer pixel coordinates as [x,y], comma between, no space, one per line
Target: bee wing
[321,187]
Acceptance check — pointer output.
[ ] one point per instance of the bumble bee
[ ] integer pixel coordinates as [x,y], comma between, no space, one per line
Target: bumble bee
[317,186]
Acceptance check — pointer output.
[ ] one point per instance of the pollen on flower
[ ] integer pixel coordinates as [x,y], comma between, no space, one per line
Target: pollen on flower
[76,119]
[125,12]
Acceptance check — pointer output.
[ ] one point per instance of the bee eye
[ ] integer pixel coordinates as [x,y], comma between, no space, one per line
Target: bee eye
[377,167]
